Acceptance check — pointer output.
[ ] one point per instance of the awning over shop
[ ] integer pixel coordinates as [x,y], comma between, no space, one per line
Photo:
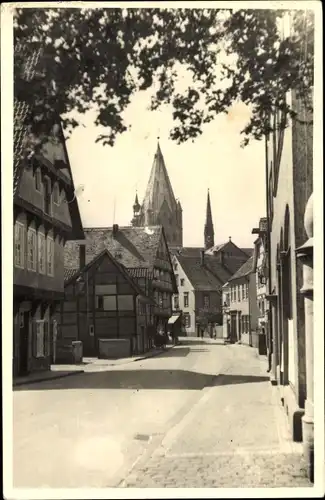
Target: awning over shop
[173,319]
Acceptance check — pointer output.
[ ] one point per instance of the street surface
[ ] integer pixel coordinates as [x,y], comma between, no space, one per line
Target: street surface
[202,414]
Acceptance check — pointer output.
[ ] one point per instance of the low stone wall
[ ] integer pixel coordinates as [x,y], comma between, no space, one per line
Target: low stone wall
[114,348]
[69,353]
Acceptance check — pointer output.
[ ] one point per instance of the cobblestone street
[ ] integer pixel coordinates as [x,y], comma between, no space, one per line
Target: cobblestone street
[200,415]
[236,436]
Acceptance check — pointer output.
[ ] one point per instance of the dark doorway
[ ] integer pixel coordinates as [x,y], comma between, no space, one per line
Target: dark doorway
[233,328]
[23,344]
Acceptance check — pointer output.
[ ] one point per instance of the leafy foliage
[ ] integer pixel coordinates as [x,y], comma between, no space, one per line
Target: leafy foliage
[98,58]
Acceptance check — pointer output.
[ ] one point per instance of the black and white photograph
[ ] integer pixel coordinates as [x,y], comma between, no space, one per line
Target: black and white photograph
[161,175]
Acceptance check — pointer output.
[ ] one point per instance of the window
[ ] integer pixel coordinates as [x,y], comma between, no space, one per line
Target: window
[41,253]
[185,299]
[235,294]
[239,293]
[160,300]
[50,256]
[56,193]
[40,339]
[19,244]
[47,196]
[175,266]
[232,294]
[206,301]
[176,302]
[182,281]
[31,249]
[38,180]
[125,302]
[187,320]
[262,307]
[105,289]
[176,277]
[106,302]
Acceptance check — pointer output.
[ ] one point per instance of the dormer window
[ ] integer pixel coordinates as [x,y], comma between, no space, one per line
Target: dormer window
[56,193]
[38,180]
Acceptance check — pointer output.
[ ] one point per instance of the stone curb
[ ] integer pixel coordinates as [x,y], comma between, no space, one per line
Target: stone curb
[153,354]
[45,379]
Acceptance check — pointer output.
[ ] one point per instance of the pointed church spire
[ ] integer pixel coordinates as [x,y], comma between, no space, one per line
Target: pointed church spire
[136,202]
[159,205]
[159,188]
[208,227]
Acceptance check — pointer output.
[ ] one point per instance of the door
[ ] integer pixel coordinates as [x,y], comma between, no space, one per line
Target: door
[23,344]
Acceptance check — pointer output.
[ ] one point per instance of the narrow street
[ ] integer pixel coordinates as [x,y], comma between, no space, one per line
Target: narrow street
[202,414]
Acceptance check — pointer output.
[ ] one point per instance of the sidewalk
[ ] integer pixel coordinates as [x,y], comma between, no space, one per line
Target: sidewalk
[88,364]
[57,371]
[235,436]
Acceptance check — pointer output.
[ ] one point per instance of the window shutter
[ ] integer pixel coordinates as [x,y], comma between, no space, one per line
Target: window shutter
[46,338]
[34,339]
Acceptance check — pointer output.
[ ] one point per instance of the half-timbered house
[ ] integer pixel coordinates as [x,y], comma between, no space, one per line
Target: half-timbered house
[46,215]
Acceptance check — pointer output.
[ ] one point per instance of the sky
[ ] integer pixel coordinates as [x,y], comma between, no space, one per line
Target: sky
[111,175]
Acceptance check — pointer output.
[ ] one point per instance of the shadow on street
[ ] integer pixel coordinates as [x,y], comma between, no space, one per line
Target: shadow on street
[140,380]
[239,379]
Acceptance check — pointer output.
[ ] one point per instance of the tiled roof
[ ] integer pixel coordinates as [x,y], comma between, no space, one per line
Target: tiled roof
[139,272]
[244,270]
[134,247]
[27,69]
[189,251]
[218,269]
[217,248]
[69,273]
[248,251]
[200,276]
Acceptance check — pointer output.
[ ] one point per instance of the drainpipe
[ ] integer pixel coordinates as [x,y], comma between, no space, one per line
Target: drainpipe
[305,253]
[270,322]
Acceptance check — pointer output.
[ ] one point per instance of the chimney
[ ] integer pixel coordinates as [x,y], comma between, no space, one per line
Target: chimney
[115,230]
[202,257]
[82,255]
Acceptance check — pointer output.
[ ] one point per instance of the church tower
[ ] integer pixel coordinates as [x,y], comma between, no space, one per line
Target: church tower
[159,205]
[208,227]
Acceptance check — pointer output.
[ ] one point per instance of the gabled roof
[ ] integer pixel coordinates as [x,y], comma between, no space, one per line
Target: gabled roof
[200,276]
[248,251]
[217,268]
[27,68]
[134,247]
[188,251]
[94,261]
[244,270]
[159,188]
[69,272]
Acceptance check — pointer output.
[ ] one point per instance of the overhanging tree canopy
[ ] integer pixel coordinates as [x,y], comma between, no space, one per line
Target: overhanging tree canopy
[98,58]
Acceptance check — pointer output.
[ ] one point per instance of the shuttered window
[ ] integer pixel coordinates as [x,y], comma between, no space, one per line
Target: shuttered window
[19,244]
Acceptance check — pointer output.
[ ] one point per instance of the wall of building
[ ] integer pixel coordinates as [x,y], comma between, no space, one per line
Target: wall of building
[83,319]
[287,194]
[246,308]
[35,279]
[186,287]
[28,192]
